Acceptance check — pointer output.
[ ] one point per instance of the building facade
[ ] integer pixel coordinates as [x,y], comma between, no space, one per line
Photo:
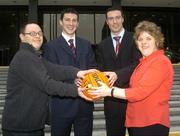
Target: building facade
[92,22]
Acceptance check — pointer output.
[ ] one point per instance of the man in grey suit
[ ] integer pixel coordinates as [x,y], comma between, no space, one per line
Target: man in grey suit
[117,53]
[70,50]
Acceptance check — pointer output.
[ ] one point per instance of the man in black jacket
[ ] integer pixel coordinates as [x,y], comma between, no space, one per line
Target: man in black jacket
[30,80]
[117,53]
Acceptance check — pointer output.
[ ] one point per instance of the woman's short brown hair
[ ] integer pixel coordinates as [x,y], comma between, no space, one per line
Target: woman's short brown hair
[152,29]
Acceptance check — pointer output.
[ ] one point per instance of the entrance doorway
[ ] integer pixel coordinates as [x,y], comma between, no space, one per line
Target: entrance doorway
[9,29]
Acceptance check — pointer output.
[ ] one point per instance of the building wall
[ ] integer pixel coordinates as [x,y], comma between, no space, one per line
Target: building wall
[92,24]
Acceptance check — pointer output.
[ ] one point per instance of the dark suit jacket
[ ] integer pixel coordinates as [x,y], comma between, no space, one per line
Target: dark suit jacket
[124,63]
[58,52]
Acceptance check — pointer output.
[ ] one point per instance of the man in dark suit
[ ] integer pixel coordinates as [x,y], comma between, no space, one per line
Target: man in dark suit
[117,53]
[68,49]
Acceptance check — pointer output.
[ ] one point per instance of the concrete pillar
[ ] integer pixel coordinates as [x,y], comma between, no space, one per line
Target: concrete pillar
[116,3]
[33,11]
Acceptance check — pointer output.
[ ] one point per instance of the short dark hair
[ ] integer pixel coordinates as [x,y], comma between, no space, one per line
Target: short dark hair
[23,26]
[69,10]
[114,8]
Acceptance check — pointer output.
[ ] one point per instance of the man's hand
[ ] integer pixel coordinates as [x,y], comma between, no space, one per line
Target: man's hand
[112,77]
[80,92]
[78,82]
[82,73]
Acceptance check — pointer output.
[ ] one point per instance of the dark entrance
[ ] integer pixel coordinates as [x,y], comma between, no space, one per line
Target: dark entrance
[9,29]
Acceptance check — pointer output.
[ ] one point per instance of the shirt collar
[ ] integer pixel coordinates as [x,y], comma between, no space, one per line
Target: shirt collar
[67,38]
[120,34]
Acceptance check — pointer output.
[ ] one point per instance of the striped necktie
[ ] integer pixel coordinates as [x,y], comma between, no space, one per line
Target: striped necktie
[117,44]
[72,47]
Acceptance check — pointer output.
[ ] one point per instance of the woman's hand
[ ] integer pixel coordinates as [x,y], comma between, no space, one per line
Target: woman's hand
[101,91]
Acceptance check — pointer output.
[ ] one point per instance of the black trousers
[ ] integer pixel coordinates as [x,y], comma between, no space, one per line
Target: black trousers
[15,133]
[115,113]
[82,127]
[153,130]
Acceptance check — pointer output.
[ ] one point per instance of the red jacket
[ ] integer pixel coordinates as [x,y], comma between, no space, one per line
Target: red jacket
[149,92]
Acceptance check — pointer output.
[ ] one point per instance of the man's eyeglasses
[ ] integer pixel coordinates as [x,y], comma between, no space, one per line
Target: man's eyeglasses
[33,34]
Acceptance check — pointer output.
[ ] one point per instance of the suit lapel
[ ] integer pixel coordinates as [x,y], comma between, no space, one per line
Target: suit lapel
[64,45]
[79,48]
[124,42]
[110,47]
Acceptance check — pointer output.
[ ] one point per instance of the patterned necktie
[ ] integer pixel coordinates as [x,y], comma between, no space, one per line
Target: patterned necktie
[72,47]
[117,44]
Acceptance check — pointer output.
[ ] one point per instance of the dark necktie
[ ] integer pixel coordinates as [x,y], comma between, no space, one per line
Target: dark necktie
[72,47]
[117,44]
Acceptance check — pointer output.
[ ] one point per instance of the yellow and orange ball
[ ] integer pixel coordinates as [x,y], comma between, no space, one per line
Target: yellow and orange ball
[91,80]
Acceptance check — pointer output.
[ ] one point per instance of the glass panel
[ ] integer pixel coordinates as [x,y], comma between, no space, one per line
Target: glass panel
[59,29]
[46,26]
[99,24]
[51,26]
[86,27]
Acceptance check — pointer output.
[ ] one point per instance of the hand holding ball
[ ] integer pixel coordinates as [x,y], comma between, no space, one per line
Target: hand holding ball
[91,80]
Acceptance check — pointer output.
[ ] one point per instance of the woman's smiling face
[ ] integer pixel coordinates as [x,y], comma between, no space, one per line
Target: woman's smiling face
[146,44]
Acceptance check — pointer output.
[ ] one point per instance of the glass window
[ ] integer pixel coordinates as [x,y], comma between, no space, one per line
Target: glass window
[90,26]
[99,25]
[86,27]
[51,26]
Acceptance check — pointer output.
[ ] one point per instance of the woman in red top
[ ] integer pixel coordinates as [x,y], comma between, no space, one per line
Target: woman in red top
[150,84]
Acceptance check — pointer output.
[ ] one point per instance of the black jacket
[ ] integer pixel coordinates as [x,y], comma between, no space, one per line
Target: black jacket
[30,80]
[124,63]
